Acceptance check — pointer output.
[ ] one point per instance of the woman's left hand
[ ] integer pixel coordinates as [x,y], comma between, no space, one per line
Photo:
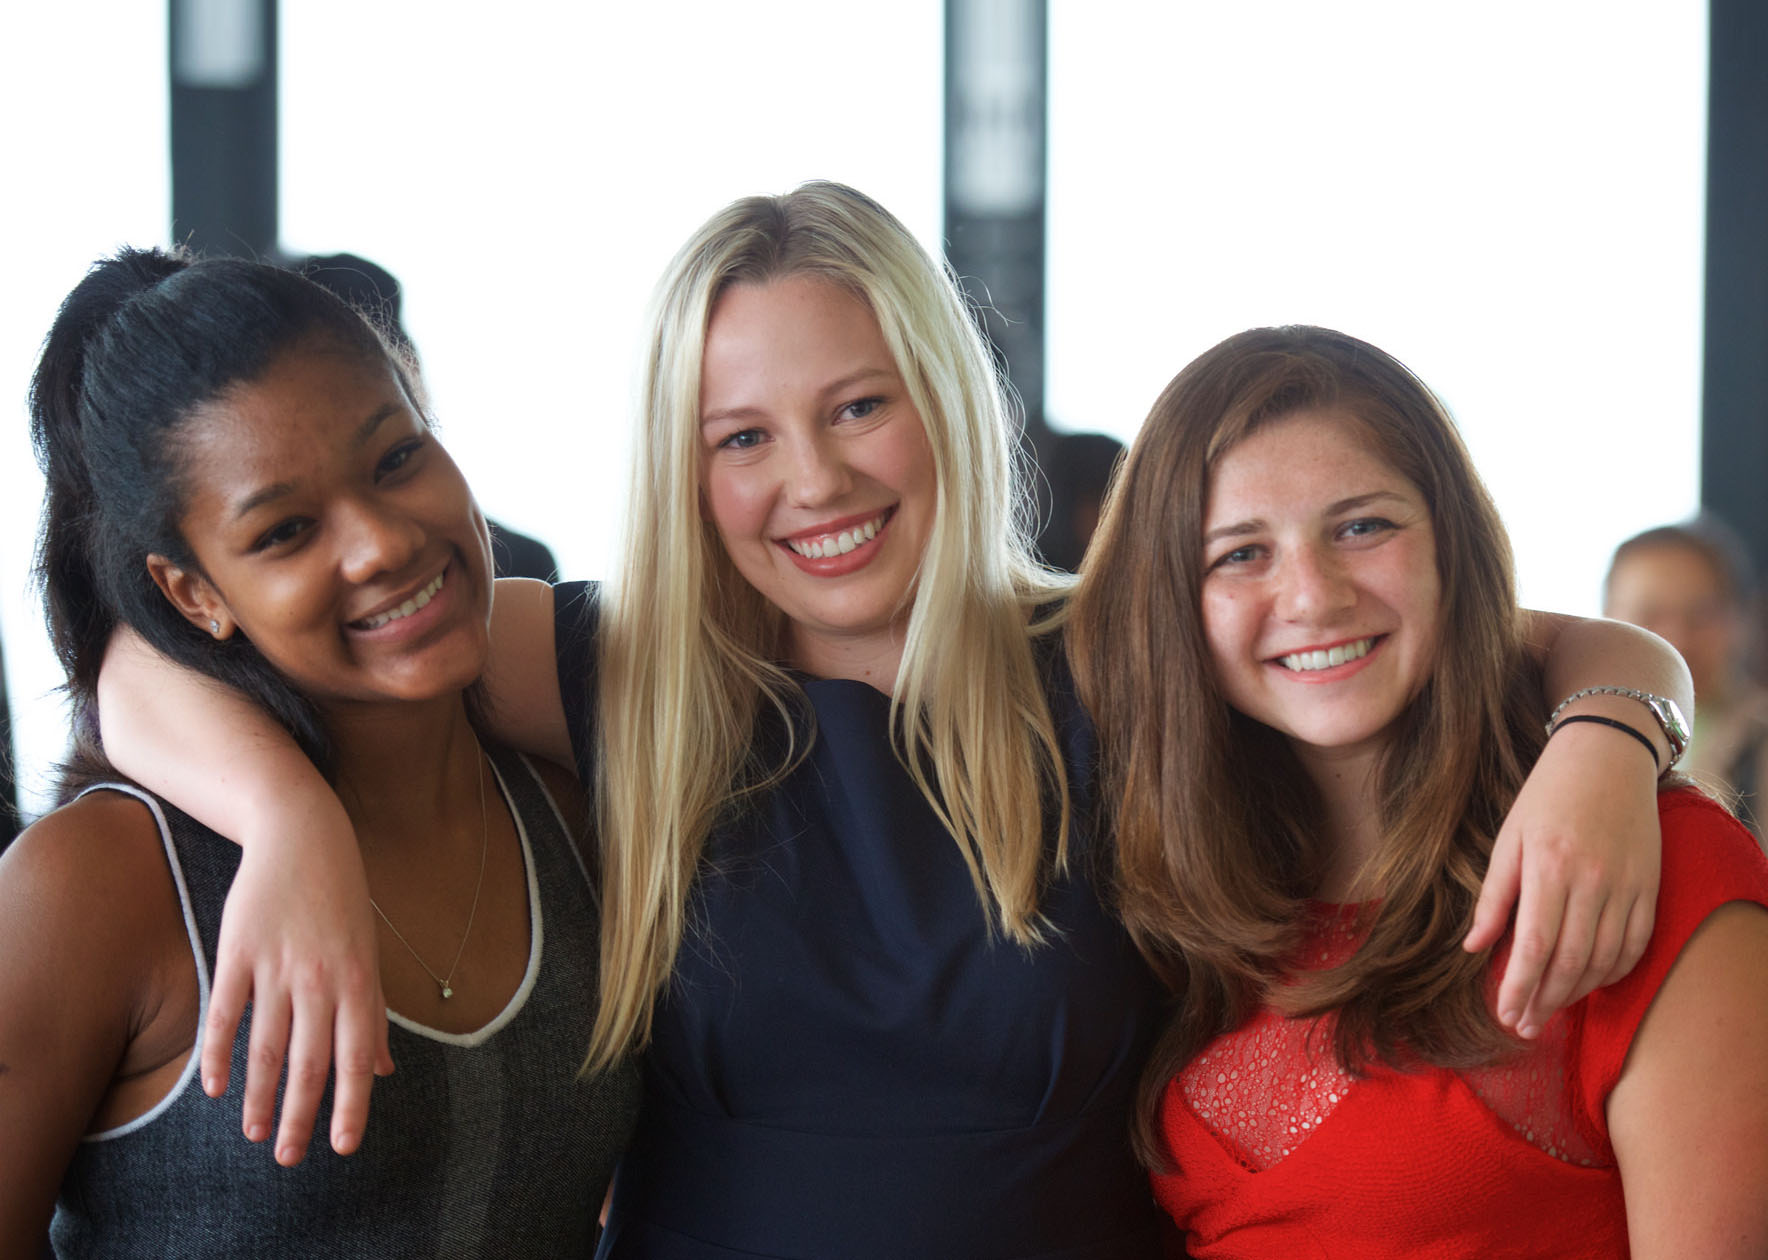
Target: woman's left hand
[1579,857]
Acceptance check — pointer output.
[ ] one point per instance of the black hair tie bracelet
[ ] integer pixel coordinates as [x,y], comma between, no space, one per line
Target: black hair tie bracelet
[1607,721]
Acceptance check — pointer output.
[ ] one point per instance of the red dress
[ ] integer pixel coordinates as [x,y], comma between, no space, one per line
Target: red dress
[1280,1154]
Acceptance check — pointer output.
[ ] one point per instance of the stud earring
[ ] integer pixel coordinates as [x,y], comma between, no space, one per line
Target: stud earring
[215,628]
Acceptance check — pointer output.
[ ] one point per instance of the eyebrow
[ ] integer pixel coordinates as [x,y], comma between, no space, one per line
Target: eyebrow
[259,498]
[1240,529]
[276,490]
[366,429]
[833,387]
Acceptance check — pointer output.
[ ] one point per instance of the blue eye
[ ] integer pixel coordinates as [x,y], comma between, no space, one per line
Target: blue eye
[860,408]
[1365,526]
[741,440]
[1240,555]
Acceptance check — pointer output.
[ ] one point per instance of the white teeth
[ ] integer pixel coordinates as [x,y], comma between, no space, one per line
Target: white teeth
[407,608]
[1328,657]
[838,544]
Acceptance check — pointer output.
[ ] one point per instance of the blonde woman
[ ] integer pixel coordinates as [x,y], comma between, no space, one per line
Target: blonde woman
[843,789]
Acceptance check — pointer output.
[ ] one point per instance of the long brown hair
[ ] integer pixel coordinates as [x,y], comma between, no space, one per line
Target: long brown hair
[1218,827]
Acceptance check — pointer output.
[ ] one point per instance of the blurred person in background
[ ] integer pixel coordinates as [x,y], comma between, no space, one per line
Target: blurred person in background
[1694,584]
[1077,468]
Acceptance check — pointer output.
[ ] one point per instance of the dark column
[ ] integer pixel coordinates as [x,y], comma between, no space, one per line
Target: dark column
[224,155]
[1734,427]
[9,819]
[996,89]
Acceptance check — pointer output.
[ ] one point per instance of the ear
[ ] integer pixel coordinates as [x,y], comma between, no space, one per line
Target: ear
[190,593]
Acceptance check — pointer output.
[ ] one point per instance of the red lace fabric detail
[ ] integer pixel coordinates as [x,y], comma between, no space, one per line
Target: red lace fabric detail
[1269,1085]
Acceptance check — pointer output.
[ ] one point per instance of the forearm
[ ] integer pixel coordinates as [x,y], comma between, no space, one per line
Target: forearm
[1577,856]
[298,936]
[208,749]
[1576,653]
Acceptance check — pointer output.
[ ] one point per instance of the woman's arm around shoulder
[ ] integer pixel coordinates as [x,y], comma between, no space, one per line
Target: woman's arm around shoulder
[298,936]
[93,939]
[1578,856]
[1689,1117]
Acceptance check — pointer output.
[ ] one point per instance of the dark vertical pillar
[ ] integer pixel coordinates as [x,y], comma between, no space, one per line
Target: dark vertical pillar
[1734,425]
[9,817]
[224,152]
[996,94]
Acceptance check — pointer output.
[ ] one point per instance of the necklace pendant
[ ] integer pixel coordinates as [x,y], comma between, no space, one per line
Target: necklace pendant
[447,992]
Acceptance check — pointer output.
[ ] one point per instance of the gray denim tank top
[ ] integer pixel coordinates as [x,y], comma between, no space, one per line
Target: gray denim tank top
[480,1144]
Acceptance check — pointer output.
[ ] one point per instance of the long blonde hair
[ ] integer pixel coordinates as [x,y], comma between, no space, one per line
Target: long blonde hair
[689,653]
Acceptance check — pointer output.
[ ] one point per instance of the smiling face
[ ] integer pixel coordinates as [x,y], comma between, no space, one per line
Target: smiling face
[815,470]
[333,530]
[1321,599]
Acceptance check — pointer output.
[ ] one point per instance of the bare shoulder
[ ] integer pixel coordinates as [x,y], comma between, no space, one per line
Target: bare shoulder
[97,849]
[89,919]
[87,888]
[1719,975]
[1719,971]
[1689,1116]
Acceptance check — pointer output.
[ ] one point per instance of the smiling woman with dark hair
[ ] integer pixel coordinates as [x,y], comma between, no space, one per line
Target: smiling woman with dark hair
[1316,706]
[240,471]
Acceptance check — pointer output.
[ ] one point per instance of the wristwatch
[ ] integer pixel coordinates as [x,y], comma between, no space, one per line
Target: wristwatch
[1665,710]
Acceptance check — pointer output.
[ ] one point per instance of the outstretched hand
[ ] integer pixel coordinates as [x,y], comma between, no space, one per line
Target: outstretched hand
[1579,857]
[298,942]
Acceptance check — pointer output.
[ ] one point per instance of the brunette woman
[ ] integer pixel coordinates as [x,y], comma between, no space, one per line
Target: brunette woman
[1316,705]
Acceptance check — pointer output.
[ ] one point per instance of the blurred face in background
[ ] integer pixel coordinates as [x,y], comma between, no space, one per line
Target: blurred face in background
[1675,591]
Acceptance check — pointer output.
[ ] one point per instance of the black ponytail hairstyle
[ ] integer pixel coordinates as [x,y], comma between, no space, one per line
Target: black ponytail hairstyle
[143,341]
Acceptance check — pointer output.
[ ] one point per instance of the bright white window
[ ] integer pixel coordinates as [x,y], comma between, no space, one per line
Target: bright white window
[1506,196]
[87,168]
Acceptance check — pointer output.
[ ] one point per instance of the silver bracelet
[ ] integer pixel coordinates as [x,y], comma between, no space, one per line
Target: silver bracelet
[1664,710]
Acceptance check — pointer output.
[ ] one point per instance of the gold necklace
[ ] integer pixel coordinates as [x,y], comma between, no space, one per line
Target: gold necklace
[446,983]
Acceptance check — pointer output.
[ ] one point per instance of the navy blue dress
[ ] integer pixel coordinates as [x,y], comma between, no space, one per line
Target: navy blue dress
[846,1064]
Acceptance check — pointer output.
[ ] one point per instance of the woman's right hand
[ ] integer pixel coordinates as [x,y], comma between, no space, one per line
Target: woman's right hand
[298,935]
[298,940]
